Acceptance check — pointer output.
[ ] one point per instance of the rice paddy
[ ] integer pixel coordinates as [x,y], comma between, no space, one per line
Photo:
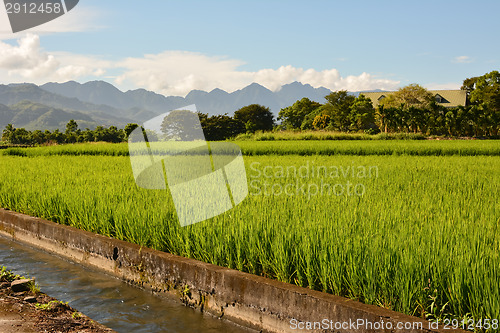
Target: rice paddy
[417,233]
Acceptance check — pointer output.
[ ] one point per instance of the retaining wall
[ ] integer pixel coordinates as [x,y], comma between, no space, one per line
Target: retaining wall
[253,301]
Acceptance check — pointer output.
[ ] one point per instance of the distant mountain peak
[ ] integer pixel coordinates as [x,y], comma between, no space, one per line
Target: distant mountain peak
[218,91]
[104,102]
[252,87]
[101,84]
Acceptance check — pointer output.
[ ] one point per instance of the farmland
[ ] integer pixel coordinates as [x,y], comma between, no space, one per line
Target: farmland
[422,238]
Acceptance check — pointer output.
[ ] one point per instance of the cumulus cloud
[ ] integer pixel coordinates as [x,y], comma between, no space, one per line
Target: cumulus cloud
[27,61]
[462,60]
[178,72]
[169,73]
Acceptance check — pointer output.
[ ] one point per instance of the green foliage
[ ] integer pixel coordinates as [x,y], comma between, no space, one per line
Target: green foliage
[410,227]
[71,127]
[20,136]
[302,143]
[220,127]
[51,306]
[129,129]
[7,275]
[293,116]
[76,315]
[485,97]
[255,117]
[413,95]
[181,125]
[340,103]
[362,114]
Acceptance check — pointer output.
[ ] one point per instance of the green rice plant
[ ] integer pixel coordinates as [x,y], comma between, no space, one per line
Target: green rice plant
[325,135]
[294,147]
[422,236]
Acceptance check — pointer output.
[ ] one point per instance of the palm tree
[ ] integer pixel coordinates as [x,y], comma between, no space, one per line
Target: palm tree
[8,133]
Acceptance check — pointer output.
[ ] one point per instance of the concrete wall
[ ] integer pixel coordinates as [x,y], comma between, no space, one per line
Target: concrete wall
[253,301]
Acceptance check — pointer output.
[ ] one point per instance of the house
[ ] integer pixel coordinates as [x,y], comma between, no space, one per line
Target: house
[446,98]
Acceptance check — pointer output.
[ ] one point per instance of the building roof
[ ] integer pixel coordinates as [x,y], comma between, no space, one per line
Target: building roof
[446,98]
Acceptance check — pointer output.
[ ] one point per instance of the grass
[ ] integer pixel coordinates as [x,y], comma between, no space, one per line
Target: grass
[52,305]
[325,135]
[8,276]
[291,147]
[424,235]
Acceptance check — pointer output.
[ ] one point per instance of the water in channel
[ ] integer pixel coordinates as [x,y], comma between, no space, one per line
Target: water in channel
[106,299]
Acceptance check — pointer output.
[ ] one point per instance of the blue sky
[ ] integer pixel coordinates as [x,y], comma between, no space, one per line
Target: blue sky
[172,47]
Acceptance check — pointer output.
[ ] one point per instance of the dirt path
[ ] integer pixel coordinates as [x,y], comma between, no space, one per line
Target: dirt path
[24,309]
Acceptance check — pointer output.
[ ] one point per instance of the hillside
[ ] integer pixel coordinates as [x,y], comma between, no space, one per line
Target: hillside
[51,105]
[33,116]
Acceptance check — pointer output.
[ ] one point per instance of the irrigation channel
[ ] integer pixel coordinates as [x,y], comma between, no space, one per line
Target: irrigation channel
[106,299]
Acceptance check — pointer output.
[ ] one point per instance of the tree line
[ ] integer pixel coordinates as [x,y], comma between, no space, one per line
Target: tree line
[250,118]
[410,109]
[72,134]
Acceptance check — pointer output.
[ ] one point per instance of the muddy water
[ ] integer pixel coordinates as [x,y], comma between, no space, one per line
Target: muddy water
[106,299]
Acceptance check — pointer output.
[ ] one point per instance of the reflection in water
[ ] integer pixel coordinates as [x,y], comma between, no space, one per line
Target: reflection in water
[104,298]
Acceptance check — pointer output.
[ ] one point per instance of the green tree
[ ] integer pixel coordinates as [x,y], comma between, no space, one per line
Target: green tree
[57,137]
[8,133]
[38,137]
[71,127]
[181,125]
[338,107]
[129,128]
[485,95]
[362,114]
[255,117]
[307,123]
[407,109]
[86,136]
[413,95]
[293,116]
[220,127]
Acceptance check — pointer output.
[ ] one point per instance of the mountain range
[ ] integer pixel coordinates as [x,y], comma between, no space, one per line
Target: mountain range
[51,105]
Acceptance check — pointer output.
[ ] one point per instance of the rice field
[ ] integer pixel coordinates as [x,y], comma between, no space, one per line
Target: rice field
[407,225]
[290,147]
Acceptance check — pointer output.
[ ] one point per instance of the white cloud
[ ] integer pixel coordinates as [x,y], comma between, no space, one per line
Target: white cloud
[168,73]
[178,72]
[27,61]
[462,60]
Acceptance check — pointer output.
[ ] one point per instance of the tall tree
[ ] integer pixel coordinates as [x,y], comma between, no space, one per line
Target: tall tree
[220,127]
[362,114]
[485,96]
[71,127]
[129,128]
[413,95]
[409,108]
[8,133]
[339,109]
[182,125]
[255,117]
[293,116]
